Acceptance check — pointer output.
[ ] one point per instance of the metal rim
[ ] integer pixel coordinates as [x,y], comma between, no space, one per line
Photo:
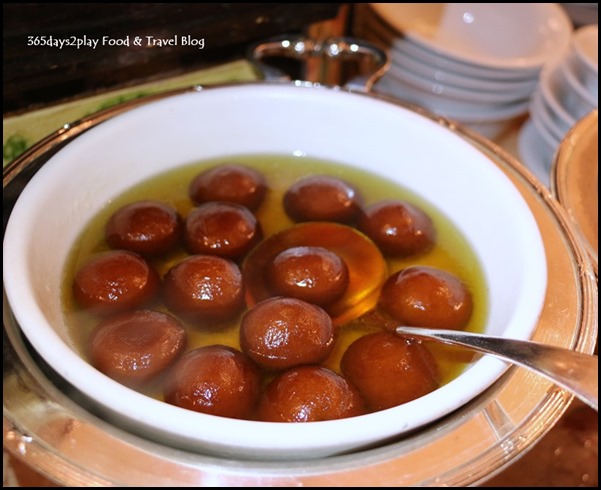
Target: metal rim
[574,175]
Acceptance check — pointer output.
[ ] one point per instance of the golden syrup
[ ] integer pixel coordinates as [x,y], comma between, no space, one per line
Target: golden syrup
[451,252]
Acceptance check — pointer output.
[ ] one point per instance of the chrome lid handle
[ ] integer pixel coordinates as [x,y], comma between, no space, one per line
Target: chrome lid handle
[339,61]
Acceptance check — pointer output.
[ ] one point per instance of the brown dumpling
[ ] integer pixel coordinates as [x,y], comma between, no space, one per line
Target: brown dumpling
[205,289]
[229,182]
[135,347]
[217,380]
[220,228]
[313,274]
[398,228]
[309,394]
[322,198]
[389,370]
[280,333]
[115,281]
[148,228]
[423,296]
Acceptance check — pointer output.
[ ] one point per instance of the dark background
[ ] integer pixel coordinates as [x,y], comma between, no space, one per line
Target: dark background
[40,75]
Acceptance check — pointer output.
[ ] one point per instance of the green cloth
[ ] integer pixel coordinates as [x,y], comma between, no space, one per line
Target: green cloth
[24,130]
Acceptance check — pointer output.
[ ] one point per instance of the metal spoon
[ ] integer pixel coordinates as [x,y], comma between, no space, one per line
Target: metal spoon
[576,372]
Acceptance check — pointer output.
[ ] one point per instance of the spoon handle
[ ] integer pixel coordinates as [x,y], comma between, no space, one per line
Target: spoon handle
[574,371]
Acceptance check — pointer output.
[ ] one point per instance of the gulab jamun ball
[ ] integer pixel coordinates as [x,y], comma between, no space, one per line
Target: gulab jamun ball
[204,288]
[269,290]
[221,228]
[217,380]
[309,394]
[423,296]
[399,228]
[313,274]
[149,228]
[135,347]
[230,183]
[115,281]
[389,370]
[279,333]
[322,198]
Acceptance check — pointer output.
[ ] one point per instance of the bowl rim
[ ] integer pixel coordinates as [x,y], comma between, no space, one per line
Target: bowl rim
[567,178]
[103,383]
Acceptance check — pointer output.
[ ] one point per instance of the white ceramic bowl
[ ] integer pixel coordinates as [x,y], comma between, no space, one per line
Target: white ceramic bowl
[534,152]
[368,22]
[516,37]
[539,109]
[544,128]
[548,135]
[357,129]
[408,47]
[404,57]
[450,92]
[553,90]
[584,57]
[559,124]
[488,122]
[569,93]
[577,99]
[513,89]
[403,89]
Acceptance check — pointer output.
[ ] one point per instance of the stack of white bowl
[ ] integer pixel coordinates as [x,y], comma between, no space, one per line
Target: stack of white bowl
[567,91]
[477,64]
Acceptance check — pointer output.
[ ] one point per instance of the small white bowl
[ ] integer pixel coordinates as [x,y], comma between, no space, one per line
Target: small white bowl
[446,106]
[550,140]
[570,94]
[449,92]
[488,73]
[516,37]
[584,57]
[552,89]
[359,130]
[488,122]
[562,124]
[519,89]
[556,126]
[368,22]
[406,59]
[534,152]
[588,97]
